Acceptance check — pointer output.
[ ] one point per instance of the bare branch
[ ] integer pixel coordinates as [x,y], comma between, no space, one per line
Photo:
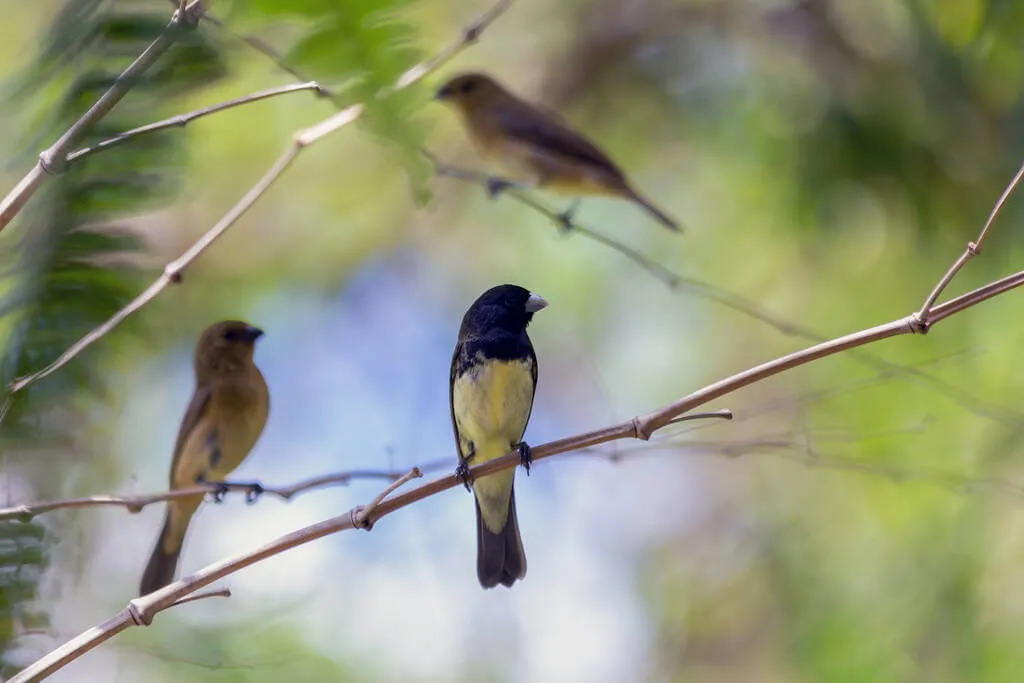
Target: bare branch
[564,220]
[470,35]
[219,593]
[140,611]
[136,503]
[182,120]
[52,160]
[973,248]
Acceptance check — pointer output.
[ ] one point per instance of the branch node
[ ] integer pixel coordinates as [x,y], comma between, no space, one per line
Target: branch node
[361,518]
[52,164]
[174,275]
[918,324]
[639,432]
[189,17]
[140,616]
[973,248]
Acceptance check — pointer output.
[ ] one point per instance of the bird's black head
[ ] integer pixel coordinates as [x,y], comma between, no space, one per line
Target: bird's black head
[466,89]
[507,308]
[225,345]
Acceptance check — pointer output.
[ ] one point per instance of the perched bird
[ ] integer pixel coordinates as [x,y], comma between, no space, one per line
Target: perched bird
[535,146]
[491,387]
[227,413]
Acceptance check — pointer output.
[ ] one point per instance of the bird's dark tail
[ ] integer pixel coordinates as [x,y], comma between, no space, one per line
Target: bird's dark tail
[499,557]
[160,570]
[660,215]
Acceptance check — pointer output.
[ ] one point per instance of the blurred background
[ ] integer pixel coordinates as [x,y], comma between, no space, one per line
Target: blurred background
[857,521]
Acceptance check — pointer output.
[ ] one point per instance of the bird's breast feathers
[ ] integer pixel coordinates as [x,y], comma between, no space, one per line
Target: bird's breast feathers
[492,401]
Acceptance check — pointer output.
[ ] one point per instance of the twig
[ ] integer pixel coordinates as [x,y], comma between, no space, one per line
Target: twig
[219,593]
[361,515]
[135,504]
[973,248]
[470,35]
[182,120]
[140,611]
[52,160]
[172,271]
[563,220]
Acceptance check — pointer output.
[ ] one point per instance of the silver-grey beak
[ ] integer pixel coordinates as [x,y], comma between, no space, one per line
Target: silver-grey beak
[535,303]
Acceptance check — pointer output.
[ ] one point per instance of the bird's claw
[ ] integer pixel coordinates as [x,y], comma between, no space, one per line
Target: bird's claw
[221,489]
[525,455]
[567,219]
[462,473]
[495,186]
[253,492]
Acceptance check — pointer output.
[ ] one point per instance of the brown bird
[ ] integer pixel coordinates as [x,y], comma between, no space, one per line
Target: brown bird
[226,416]
[535,146]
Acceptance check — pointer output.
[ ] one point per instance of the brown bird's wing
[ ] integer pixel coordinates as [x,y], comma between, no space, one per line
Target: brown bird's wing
[164,561]
[197,408]
[528,125]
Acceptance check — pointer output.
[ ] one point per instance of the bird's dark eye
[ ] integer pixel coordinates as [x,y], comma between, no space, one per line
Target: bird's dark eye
[467,87]
[232,335]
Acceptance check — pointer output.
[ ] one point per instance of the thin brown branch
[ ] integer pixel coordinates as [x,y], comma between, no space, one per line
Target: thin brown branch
[140,611]
[219,593]
[679,283]
[470,35]
[262,47]
[973,248]
[52,160]
[134,504]
[564,220]
[975,296]
[182,120]
[173,271]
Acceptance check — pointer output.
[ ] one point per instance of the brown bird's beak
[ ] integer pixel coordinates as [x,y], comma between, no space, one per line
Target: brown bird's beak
[253,333]
[444,92]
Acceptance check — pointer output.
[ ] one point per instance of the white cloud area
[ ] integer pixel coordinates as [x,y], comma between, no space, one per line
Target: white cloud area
[370,391]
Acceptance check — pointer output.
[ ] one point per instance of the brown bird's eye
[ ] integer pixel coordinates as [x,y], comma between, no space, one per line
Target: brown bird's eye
[232,336]
[467,87]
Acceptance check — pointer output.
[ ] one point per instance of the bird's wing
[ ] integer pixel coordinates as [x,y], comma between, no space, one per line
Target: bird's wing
[525,124]
[197,409]
[453,373]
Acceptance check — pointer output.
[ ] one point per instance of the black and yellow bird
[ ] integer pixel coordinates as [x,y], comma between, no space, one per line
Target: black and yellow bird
[226,416]
[534,146]
[492,383]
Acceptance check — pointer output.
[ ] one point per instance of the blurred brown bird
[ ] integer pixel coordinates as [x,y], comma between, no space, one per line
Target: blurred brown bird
[226,416]
[535,146]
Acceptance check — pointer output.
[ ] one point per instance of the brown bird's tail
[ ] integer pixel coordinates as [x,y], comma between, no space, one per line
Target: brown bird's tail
[500,557]
[660,215]
[160,570]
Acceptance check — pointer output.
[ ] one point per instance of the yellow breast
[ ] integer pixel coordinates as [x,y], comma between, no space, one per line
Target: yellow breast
[492,403]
